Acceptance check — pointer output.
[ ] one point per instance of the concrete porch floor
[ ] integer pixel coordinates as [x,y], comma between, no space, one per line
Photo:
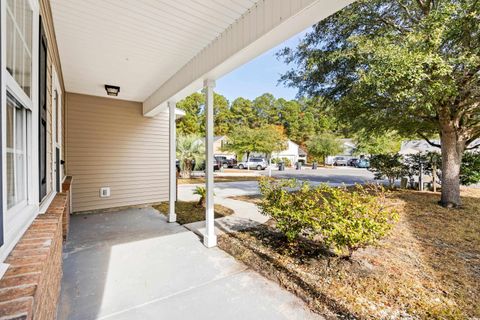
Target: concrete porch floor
[132,264]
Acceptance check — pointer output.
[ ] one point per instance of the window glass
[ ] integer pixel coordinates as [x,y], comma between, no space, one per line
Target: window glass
[10,154]
[20,153]
[16,152]
[19,43]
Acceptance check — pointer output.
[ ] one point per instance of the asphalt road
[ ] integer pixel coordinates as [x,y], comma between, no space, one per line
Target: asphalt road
[335,175]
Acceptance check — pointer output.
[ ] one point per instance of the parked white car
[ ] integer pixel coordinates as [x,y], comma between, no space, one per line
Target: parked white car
[253,163]
[340,161]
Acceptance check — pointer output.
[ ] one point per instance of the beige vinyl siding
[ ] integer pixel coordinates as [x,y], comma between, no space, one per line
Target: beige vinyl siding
[110,144]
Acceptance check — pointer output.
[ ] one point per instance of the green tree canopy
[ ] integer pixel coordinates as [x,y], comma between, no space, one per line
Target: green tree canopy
[223,117]
[301,118]
[191,123]
[323,145]
[194,120]
[270,139]
[368,143]
[406,65]
[243,113]
[265,110]
[266,139]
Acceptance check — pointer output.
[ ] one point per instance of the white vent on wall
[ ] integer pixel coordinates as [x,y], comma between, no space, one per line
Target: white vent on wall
[104,192]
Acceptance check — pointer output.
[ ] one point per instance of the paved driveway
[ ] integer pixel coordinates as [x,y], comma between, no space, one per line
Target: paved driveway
[132,264]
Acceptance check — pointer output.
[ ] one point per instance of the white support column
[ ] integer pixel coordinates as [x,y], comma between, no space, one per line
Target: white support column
[209,238]
[172,167]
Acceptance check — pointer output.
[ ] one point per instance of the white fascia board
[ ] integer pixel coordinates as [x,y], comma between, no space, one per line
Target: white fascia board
[264,26]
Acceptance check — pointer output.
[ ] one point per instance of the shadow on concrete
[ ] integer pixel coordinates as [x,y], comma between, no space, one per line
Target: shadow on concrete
[95,240]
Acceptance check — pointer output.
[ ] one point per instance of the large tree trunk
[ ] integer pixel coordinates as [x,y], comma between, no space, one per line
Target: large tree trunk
[452,153]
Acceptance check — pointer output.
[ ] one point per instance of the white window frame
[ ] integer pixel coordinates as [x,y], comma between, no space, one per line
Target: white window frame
[55,142]
[15,223]
[24,203]
[57,108]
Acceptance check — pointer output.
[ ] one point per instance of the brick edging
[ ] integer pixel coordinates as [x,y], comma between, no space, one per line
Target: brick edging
[31,285]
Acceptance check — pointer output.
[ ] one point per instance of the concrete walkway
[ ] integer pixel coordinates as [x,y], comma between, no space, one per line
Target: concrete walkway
[132,264]
[223,191]
[246,214]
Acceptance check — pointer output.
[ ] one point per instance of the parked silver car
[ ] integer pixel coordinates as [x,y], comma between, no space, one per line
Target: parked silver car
[340,161]
[253,163]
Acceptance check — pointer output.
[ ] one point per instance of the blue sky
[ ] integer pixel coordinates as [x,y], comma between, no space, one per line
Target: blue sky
[259,76]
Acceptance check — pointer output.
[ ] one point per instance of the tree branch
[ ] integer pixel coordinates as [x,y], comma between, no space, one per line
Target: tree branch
[475,134]
[424,6]
[428,140]
[407,11]
[474,147]
[392,24]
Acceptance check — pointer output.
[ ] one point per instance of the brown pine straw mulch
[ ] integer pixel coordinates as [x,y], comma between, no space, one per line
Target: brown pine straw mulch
[427,268]
[190,211]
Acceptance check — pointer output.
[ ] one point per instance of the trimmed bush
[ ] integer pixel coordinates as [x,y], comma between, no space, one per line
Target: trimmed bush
[470,170]
[388,165]
[345,220]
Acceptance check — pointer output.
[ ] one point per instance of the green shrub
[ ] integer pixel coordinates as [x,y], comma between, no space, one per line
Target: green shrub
[470,169]
[287,162]
[343,219]
[388,165]
[287,210]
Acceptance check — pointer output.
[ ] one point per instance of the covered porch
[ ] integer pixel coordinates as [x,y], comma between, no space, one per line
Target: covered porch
[155,53]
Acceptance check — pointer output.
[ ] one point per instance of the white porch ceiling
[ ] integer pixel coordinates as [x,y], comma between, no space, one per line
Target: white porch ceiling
[135,44]
[265,25]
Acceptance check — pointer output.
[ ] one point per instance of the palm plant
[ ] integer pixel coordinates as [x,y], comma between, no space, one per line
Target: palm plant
[202,192]
[190,153]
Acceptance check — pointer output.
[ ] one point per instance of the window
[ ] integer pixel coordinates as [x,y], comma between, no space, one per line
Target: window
[19,43]
[19,22]
[16,136]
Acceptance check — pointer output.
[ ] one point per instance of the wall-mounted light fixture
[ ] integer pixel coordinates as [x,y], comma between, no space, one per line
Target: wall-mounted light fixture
[112,90]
